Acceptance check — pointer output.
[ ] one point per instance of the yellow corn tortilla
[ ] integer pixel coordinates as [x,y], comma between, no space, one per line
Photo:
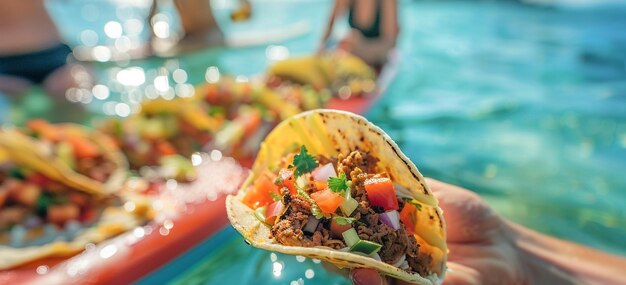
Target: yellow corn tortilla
[303,70]
[322,71]
[28,151]
[188,109]
[330,132]
[113,219]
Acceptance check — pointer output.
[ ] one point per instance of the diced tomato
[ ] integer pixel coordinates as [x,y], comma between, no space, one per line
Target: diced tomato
[336,229]
[11,184]
[288,181]
[79,199]
[83,148]
[212,94]
[153,188]
[259,193]
[321,185]
[55,187]
[250,122]
[380,192]
[165,148]
[12,215]
[39,180]
[407,217]
[26,194]
[273,211]
[44,129]
[60,214]
[88,215]
[327,200]
[273,81]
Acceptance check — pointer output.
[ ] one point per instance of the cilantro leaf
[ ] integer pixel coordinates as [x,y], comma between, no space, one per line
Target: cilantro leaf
[304,162]
[275,196]
[338,184]
[343,220]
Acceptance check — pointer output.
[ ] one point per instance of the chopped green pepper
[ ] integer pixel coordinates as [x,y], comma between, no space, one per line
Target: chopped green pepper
[366,247]
[259,213]
[357,244]
[348,206]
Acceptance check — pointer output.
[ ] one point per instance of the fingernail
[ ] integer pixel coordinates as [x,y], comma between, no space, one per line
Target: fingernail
[366,277]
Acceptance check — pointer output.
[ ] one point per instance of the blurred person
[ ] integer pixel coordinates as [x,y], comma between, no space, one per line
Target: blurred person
[198,23]
[32,51]
[488,249]
[374,29]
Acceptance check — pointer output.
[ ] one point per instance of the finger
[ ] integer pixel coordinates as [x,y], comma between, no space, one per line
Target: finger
[366,276]
[468,217]
[461,275]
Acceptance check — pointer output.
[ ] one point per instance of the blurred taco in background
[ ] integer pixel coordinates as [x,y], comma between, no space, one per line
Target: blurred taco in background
[227,94]
[83,158]
[249,110]
[59,190]
[343,74]
[308,70]
[164,134]
[332,186]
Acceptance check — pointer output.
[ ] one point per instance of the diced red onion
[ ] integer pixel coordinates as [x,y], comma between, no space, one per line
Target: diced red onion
[311,225]
[284,174]
[276,211]
[375,256]
[390,218]
[324,172]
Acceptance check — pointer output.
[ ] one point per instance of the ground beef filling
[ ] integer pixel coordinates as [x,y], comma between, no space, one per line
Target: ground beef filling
[97,168]
[358,166]
[288,229]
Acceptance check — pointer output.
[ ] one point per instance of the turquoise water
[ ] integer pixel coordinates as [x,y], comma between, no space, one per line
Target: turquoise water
[525,105]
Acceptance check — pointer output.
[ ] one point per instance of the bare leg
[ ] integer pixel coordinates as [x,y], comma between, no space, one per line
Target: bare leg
[57,84]
[66,77]
[13,85]
[199,25]
[198,22]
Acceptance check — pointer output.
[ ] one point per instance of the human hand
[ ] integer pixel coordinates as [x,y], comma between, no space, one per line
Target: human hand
[481,244]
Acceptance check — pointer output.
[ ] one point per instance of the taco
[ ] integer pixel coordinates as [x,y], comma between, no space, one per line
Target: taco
[56,186]
[85,159]
[164,135]
[342,73]
[332,186]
